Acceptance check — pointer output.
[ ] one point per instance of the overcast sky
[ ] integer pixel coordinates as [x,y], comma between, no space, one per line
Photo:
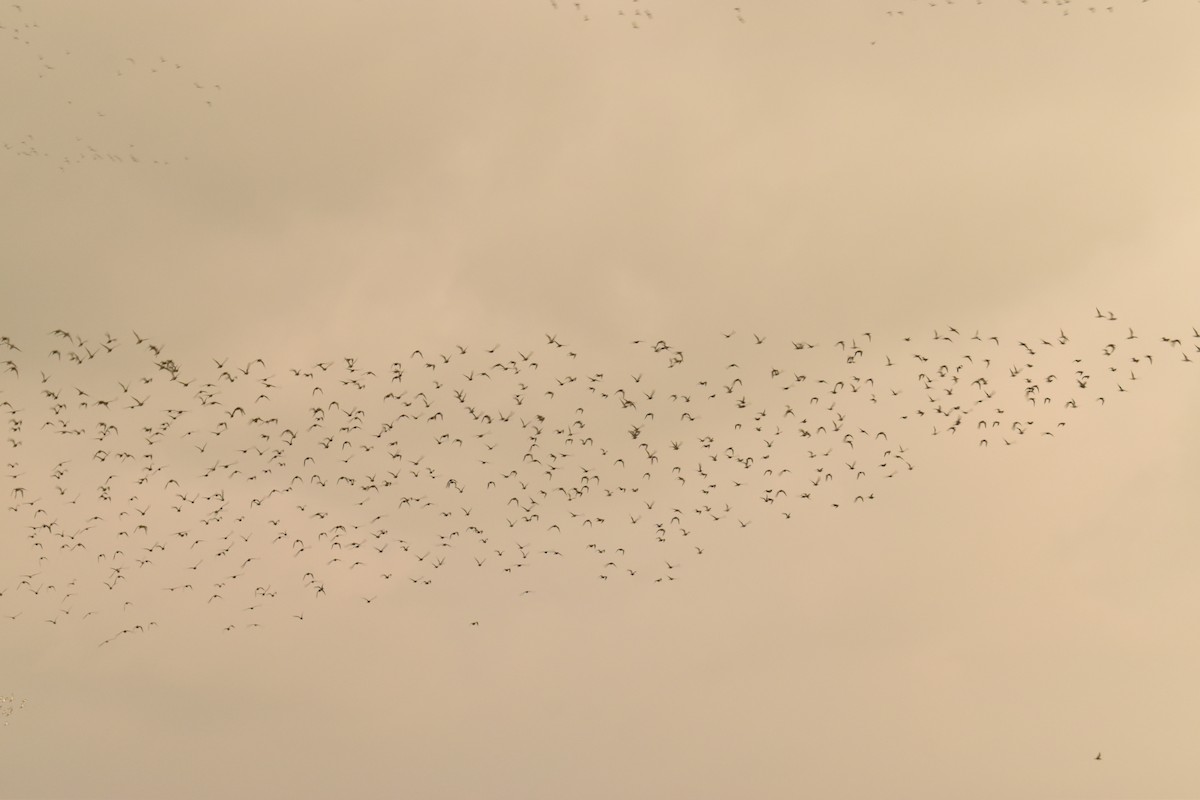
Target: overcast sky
[307,181]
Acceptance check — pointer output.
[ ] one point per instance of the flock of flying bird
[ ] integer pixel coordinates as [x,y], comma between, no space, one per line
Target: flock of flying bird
[638,13]
[9,705]
[97,97]
[138,489]
[635,12]
[89,94]
[1061,7]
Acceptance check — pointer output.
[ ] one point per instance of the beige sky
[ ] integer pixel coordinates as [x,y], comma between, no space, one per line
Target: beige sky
[373,177]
